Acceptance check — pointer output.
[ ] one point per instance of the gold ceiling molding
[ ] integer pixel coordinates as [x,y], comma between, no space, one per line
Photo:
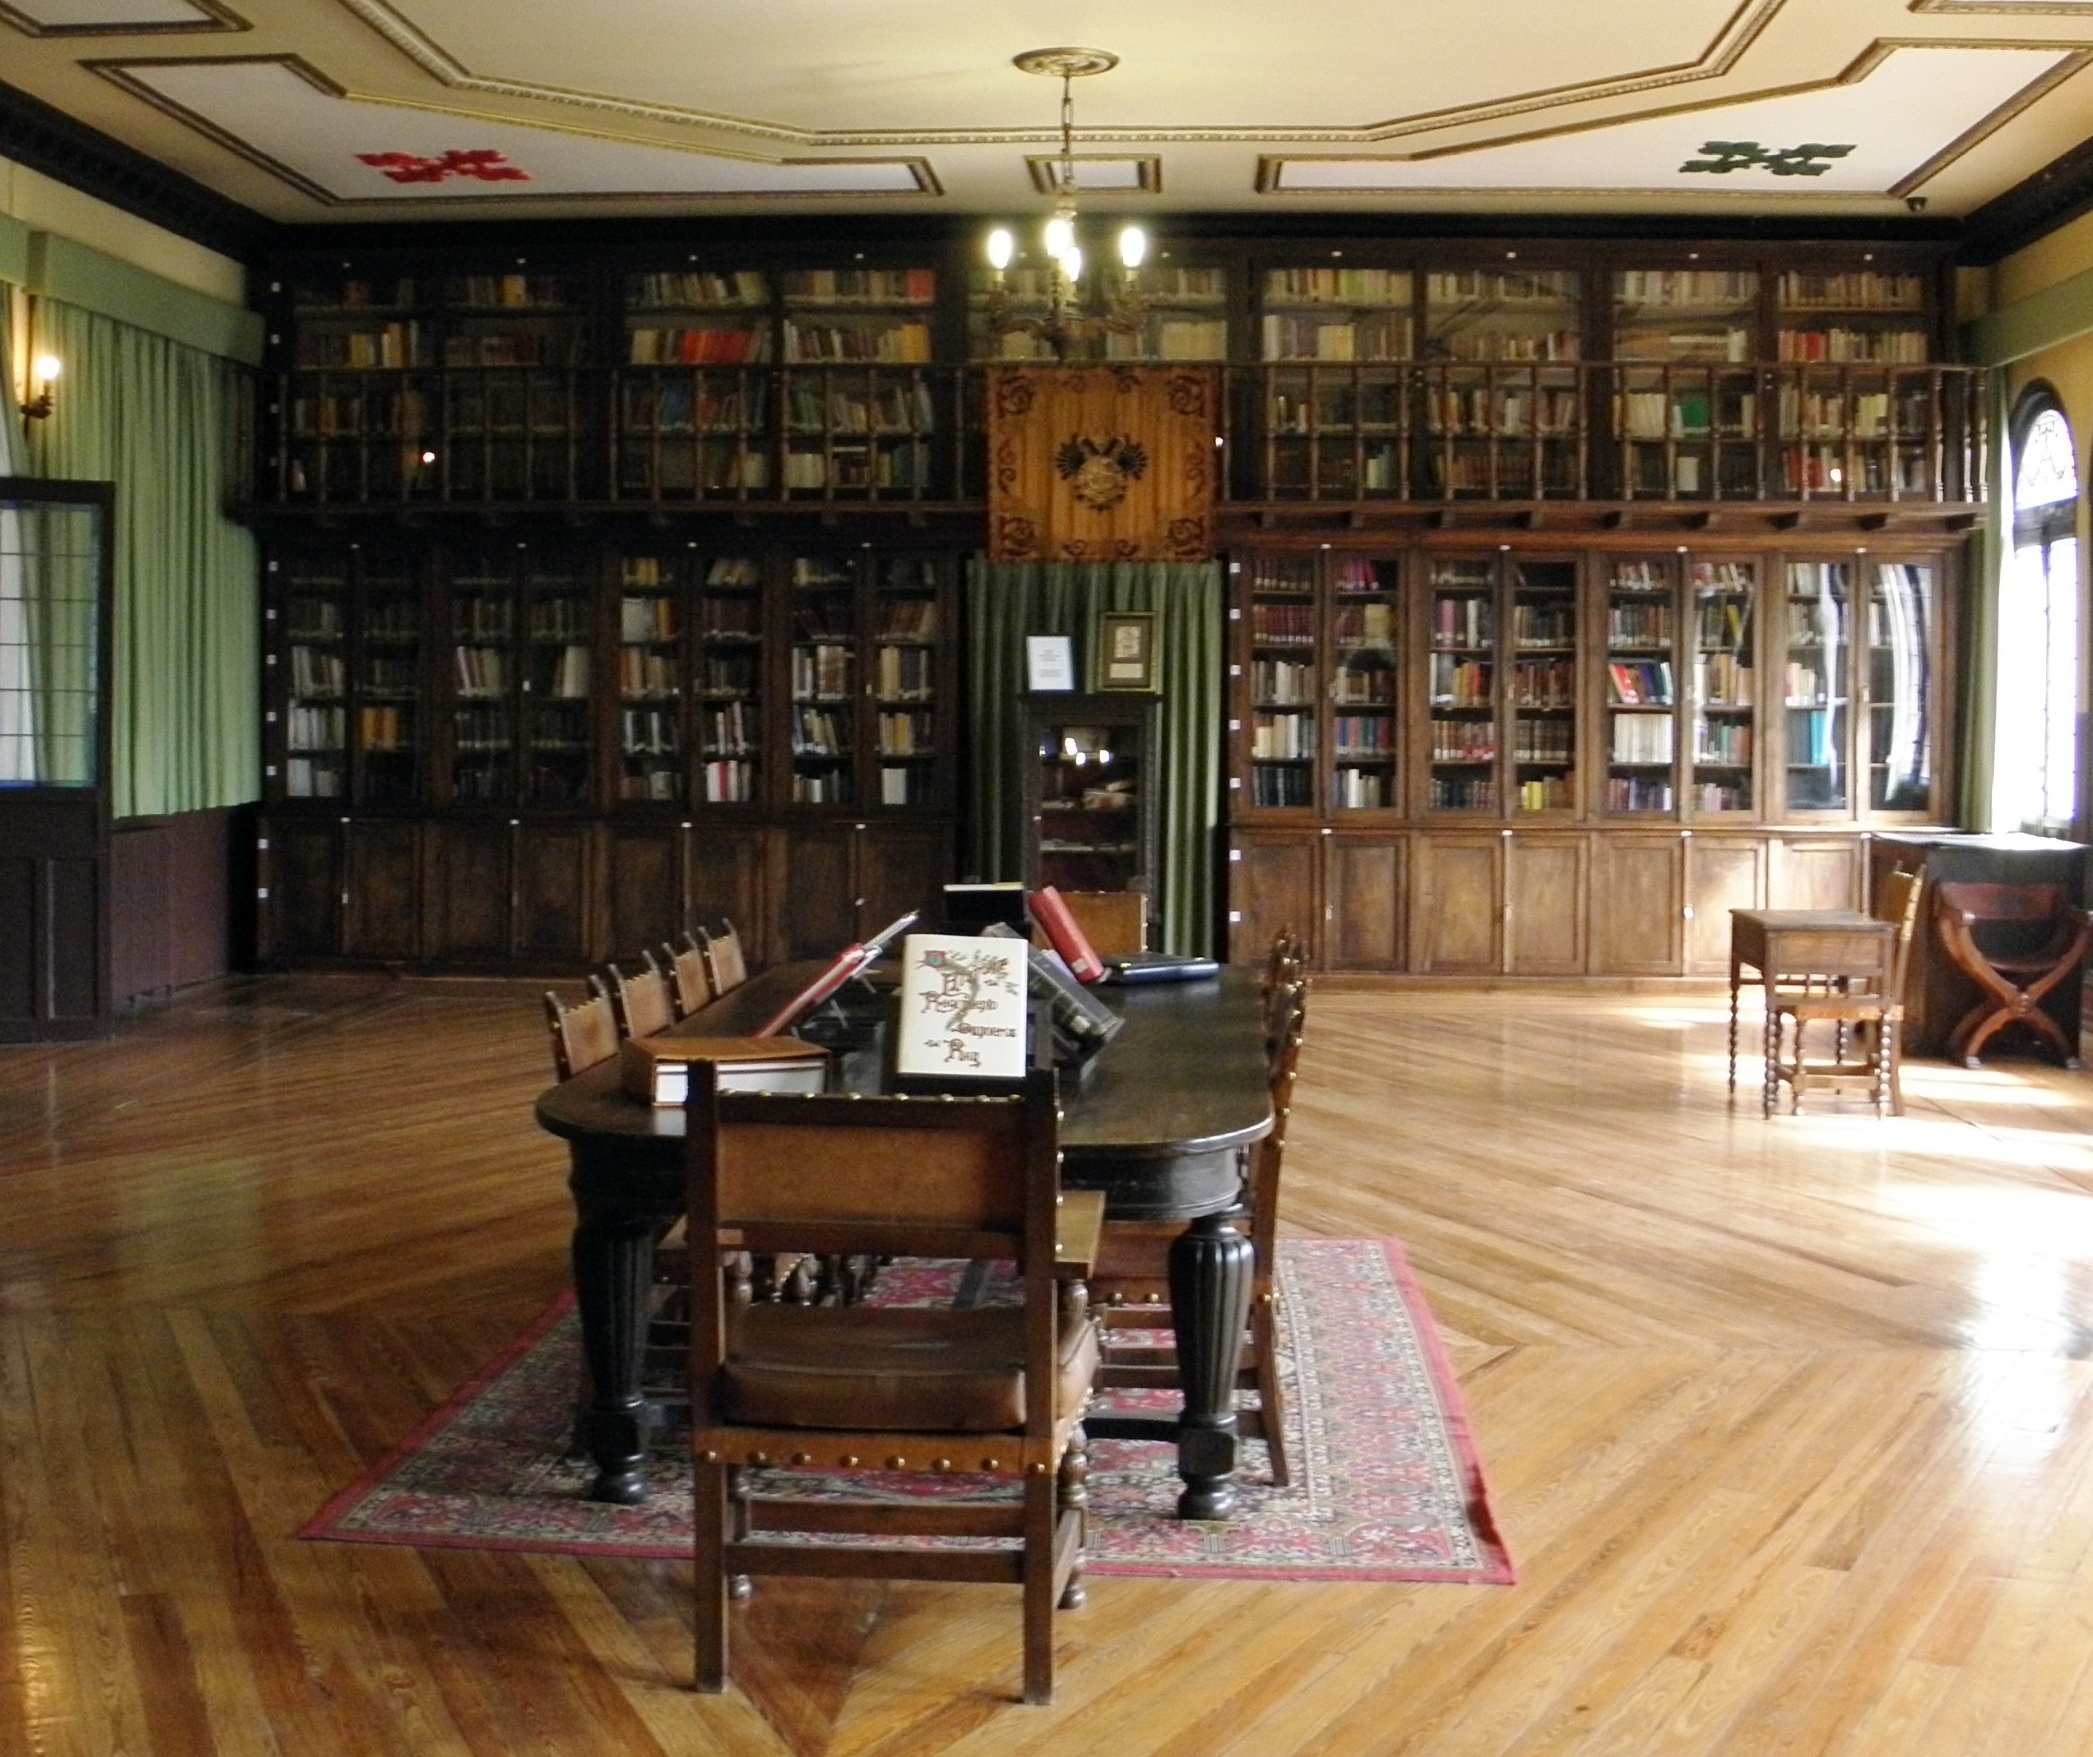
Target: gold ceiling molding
[215,18]
[2053,8]
[1148,172]
[126,74]
[1737,33]
[2076,54]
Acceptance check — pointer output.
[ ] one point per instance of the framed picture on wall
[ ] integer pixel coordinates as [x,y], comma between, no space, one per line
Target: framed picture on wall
[1124,656]
[1050,663]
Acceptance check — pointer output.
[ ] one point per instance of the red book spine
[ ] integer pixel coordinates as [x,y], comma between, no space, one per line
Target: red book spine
[1067,938]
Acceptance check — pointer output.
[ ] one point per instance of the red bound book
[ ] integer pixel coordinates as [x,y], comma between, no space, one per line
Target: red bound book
[1064,935]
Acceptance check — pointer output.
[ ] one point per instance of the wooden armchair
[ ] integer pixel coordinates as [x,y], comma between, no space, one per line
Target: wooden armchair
[725,959]
[2016,943]
[998,1392]
[642,1000]
[690,983]
[1866,1013]
[583,1034]
[1131,1286]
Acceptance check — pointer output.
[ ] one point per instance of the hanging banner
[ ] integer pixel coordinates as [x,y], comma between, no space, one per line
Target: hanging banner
[1102,463]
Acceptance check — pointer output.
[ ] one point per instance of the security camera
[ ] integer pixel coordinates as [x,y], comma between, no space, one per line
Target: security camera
[1917,203]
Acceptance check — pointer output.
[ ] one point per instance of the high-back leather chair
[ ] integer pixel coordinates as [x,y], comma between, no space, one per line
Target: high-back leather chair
[583,1034]
[998,1391]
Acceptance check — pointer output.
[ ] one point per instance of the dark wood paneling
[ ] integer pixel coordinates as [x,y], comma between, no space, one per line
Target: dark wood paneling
[302,868]
[1362,904]
[725,882]
[1457,905]
[1546,885]
[1271,885]
[18,938]
[643,886]
[141,935]
[171,901]
[382,913]
[1638,893]
[75,905]
[811,881]
[900,867]
[54,973]
[552,891]
[1722,873]
[469,889]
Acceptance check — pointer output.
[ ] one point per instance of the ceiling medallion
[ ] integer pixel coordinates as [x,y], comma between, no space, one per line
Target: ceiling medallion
[1055,311]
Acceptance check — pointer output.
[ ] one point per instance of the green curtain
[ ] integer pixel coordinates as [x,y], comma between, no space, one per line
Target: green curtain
[1982,581]
[1005,604]
[154,417]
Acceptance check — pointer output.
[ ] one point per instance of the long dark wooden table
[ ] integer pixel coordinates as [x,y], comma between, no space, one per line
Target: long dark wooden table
[1158,1124]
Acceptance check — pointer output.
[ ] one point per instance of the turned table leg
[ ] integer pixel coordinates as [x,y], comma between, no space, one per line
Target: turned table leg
[613,1268]
[1210,1274]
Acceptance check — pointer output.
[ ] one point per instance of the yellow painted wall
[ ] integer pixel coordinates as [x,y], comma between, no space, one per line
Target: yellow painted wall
[47,206]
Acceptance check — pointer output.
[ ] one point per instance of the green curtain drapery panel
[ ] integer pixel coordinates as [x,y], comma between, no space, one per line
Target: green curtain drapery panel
[1005,603]
[153,417]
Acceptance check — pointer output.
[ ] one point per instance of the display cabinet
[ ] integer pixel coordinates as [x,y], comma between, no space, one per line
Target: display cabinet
[1336,417]
[1461,705]
[1090,808]
[1685,411]
[1504,401]
[693,421]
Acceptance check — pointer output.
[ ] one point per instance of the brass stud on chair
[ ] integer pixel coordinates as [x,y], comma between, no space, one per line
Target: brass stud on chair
[941,1464]
[802,1458]
[849,1461]
[897,1463]
[709,1456]
[759,1457]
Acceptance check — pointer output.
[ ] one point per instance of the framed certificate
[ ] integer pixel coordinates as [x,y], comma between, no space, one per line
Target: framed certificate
[1050,663]
[1125,656]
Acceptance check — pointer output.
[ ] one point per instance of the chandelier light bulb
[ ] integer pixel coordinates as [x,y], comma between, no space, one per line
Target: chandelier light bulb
[1133,247]
[44,371]
[1001,248]
[1072,262]
[1060,235]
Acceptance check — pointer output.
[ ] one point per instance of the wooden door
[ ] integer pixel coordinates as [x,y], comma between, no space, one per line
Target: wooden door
[1722,873]
[1457,905]
[301,865]
[724,880]
[1638,905]
[54,914]
[900,867]
[1816,872]
[554,894]
[1271,885]
[470,889]
[643,887]
[812,881]
[1547,886]
[1362,925]
[382,888]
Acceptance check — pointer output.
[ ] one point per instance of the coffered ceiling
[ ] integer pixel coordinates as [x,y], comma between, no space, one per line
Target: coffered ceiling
[343,110]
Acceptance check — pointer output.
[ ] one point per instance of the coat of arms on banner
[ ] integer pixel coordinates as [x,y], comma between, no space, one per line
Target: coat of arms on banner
[1102,463]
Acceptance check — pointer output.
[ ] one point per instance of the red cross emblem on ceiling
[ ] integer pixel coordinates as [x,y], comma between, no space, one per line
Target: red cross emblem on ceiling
[488,167]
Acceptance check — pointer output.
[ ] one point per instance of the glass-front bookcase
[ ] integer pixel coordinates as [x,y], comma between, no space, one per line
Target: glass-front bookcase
[1816,690]
[1090,807]
[1461,685]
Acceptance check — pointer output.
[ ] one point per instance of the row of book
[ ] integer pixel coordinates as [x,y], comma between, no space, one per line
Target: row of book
[316,672]
[903,463]
[891,343]
[642,673]
[1722,744]
[1282,625]
[686,287]
[729,781]
[1464,741]
[307,778]
[840,407]
[1494,344]
[1639,623]
[1541,624]
[562,676]
[650,732]
[1549,684]
[308,728]
[674,404]
[702,345]
[1730,346]
[1362,735]
[392,345]
[1866,289]
[907,619]
[651,780]
[1459,620]
[355,294]
[1900,347]
[904,674]
[1280,683]
[1723,680]
[1638,793]
[1722,288]
[1280,786]
[731,730]
[1460,683]
[1337,286]
[1497,287]
[646,618]
[1354,684]
[1461,793]
[560,617]
[1543,741]
[1482,411]
[1639,683]
[1642,740]
[1282,737]
[1546,792]
[481,671]
[820,732]
[906,734]
[822,673]
[823,787]
[1364,625]
[1380,337]
[1362,789]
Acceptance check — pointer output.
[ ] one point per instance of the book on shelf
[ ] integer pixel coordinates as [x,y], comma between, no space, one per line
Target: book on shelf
[701,345]
[696,287]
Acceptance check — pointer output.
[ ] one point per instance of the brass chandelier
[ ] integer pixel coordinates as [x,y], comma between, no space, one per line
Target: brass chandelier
[1065,323]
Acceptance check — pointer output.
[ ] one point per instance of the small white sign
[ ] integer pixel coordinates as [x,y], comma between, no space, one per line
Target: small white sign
[963,1007]
[1050,663]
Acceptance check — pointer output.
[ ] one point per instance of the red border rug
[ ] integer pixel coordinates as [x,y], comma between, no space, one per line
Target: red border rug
[1387,1485]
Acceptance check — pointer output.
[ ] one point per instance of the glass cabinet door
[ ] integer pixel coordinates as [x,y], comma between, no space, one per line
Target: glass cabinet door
[1366,612]
[650,677]
[1090,793]
[389,681]
[1461,685]
[1900,686]
[1725,685]
[483,720]
[823,614]
[905,634]
[1815,691]
[729,679]
[316,686]
[1544,686]
[1282,660]
[558,627]
[1642,698]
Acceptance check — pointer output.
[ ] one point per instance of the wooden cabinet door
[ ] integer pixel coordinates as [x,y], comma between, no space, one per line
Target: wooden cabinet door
[811,880]
[725,882]
[1457,905]
[900,867]
[1362,903]
[1547,888]
[1271,885]
[1638,905]
[382,861]
[1722,873]
[1815,872]
[643,886]
[470,890]
[302,914]
[554,894]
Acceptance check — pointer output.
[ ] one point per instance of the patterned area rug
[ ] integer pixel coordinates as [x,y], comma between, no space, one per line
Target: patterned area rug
[1387,1485]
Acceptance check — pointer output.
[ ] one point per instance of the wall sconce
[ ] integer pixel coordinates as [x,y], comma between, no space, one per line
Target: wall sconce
[43,374]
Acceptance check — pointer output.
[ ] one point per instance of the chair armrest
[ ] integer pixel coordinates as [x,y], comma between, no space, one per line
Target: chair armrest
[1079,1227]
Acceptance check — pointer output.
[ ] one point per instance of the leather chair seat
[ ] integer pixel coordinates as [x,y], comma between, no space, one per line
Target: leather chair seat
[904,1370]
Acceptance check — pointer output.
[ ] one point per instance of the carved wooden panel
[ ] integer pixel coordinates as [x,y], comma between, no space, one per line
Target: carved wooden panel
[1817,872]
[725,882]
[1546,884]
[900,867]
[552,891]
[643,884]
[1271,884]
[469,889]
[1362,903]
[1638,892]
[304,874]
[811,879]
[383,915]
[1457,905]
[1722,873]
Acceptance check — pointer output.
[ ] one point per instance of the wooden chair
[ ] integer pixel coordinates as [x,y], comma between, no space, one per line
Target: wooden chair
[583,1034]
[1865,1012]
[1114,922]
[690,983]
[1131,1286]
[642,1000]
[725,961]
[999,1391]
[2016,943]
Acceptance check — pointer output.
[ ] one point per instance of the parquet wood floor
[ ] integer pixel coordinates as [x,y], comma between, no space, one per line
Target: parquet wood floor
[1790,1424]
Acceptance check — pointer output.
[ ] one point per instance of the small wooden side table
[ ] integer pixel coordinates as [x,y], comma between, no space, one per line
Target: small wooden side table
[1781,945]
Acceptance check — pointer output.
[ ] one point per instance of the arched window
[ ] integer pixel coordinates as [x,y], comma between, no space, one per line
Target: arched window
[2035,785]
